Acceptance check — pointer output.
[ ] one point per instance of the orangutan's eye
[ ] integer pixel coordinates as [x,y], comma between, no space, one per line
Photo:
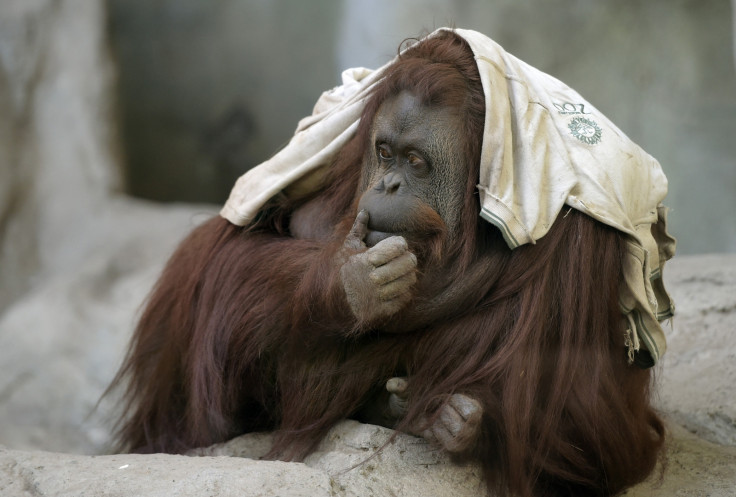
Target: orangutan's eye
[384,153]
[417,163]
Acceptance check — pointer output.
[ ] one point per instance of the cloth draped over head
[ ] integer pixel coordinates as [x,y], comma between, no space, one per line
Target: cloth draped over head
[544,147]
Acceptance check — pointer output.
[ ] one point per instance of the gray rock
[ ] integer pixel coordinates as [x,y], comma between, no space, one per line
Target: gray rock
[58,148]
[61,343]
[25,474]
[693,468]
[364,460]
[348,463]
[698,374]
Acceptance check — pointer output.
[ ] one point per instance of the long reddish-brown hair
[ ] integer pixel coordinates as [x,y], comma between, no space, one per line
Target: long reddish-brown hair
[248,329]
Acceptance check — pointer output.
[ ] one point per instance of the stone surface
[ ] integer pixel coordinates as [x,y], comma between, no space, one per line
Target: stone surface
[362,460]
[61,343]
[58,148]
[694,468]
[698,374]
[48,474]
[346,464]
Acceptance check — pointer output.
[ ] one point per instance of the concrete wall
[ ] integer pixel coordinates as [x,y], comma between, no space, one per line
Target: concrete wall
[211,88]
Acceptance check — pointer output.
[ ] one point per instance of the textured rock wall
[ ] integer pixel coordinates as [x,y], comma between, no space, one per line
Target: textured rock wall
[75,257]
[698,377]
[57,136]
[347,464]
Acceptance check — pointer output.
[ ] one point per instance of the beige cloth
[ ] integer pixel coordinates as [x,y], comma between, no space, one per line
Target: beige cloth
[544,146]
